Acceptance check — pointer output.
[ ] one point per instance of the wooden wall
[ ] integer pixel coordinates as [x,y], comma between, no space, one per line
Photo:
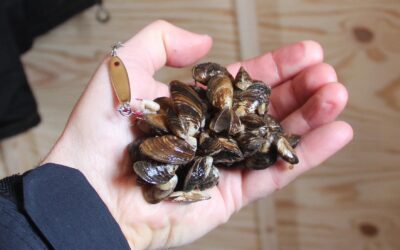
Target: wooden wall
[352,202]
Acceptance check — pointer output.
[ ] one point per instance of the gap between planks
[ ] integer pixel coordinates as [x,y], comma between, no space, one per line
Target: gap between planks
[246,16]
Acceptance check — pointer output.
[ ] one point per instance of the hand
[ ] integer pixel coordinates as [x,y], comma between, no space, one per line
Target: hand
[306,98]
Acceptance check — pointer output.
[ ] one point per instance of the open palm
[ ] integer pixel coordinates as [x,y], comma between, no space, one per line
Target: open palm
[306,98]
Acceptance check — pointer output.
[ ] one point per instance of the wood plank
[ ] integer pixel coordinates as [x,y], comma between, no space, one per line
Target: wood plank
[349,203]
[248,28]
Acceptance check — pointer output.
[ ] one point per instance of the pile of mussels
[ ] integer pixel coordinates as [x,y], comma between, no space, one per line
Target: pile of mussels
[220,122]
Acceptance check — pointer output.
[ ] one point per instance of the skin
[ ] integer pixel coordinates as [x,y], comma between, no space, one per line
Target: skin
[306,98]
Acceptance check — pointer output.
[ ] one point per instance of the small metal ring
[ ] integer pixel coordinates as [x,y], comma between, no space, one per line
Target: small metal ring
[125,109]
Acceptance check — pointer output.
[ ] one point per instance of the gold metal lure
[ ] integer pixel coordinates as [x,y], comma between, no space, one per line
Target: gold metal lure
[120,81]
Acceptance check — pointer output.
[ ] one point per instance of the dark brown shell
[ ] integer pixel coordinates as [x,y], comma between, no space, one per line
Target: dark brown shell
[188,106]
[133,150]
[249,143]
[158,122]
[262,160]
[168,149]
[189,197]
[220,121]
[154,172]
[177,126]
[155,193]
[286,151]
[205,71]
[293,139]
[220,92]
[203,136]
[254,124]
[235,125]
[230,152]
[272,124]
[268,143]
[247,101]
[209,145]
[252,121]
[226,120]
[198,172]
[245,106]
[184,95]
[211,180]
[242,80]
[262,90]
[165,104]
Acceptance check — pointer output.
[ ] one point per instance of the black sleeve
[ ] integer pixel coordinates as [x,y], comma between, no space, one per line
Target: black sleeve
[55,207]
[21,21]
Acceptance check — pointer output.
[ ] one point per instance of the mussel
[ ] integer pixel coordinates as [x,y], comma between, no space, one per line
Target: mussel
[154,123]
[156,193]
[293,139]
[168,149]
[249,100]
[188,106]
[242,80]
[249,143]
[229,153]
[211,180]
[226,120]
[199,171]
[262,160]
[205,71]
[165,104]
[189,197]
[220,92]
[209,145]
[286,151]
[154,172]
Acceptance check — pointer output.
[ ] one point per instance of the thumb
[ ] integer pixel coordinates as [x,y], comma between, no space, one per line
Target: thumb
[162,43]
[158,44]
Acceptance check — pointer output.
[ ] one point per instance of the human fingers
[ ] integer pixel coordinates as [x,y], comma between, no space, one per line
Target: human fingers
[278,66]
[161,43]
[323,107]
[316,147]
[158,44]
[289,96]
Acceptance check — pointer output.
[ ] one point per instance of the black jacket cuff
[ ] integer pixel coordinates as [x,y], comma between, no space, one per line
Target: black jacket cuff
[67,210]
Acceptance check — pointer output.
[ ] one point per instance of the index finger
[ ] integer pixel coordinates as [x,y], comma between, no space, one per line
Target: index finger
[282,64]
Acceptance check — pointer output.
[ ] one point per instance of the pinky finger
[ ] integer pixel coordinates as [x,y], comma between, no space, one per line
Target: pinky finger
[316,147]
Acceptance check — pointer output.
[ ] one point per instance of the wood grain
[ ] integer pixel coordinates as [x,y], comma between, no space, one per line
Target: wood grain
[351,202]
